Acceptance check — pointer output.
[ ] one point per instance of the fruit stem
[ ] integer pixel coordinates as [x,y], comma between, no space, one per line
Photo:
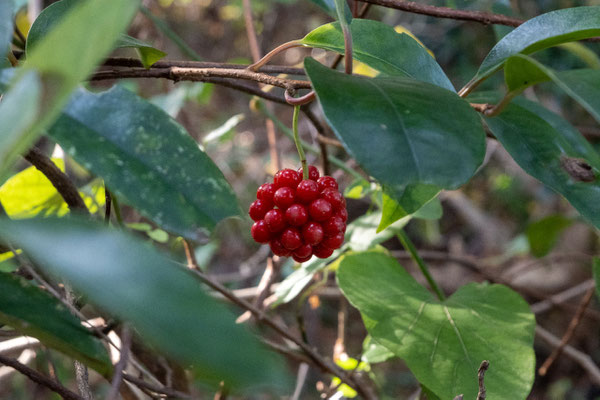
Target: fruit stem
[410,247]
[297,142]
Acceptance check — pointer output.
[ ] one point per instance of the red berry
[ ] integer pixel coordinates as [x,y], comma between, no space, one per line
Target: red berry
[313,172]
[258,209]
[290,239]
[333,242]
[287,178]
[334,197]
[296,215]
[332,226]
[275,220]
[327,182]
[278,249]
[322,251]
[320,210]
[265,192]
[260,232]
[342,213]
[301,260]
[312,233]
[307,191]
[284,197]
[303,251]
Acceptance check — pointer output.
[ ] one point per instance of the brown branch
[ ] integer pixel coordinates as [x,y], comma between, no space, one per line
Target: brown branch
[200,74]
[121,364]
[156,388]
[480,376]
[485,18]
[40,379]
[284,331]
[569,333]
[59,179]
[135,63]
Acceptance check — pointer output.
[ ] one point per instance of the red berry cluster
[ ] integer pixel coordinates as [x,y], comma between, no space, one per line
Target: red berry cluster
[299,218]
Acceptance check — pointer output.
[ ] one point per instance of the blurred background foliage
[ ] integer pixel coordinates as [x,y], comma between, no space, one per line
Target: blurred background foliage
[514,225]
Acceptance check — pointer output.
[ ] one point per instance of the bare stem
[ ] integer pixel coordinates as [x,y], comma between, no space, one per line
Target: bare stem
[298,143]
[274,52]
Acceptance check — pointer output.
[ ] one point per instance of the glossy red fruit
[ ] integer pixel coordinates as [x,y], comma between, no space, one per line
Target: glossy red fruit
[312,233]
[322,251]
[303,251]
[332,226]
[291,239]
[301,260]
[284,197]
[265,192]
[258,209]
[307,191]
[260,232]
[275,220]
[342,213]
[327,182]
[320,210]
[287,178]
[333,242]
[313,172]
[334,197]
[278,249]
[296,215]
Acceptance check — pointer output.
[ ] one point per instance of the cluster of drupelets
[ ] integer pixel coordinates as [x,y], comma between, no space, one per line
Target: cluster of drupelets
[299,218]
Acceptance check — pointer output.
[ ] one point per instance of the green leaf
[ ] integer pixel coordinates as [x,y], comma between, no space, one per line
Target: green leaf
[148,54]
[6,24]
[443,343]
[379,46]
[543,234]
[584,53]
[541,32]
[548,148]
[63,57]
[596,271]
[330,9]
[583,85]
[401,131]
[414,198]
[147,158]
[342,14]
[133,282]
[54,13]
[374,353]
[18,112]
[35,313]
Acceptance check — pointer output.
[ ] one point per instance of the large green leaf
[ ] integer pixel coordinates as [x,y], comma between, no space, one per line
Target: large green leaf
[381,47]
[54,13]
[132,281]
[583,85]
[146,157]
[548,148]
[443,343]
[35,313]
[541,32]
[6,24]
[63,57]
[400,130]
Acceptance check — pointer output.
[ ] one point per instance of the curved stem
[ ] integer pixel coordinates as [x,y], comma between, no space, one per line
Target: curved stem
[497,109]
[410,247]
[298,143]
[299,101]
[273,53]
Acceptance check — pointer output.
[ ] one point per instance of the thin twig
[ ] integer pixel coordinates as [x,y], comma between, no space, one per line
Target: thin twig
[584,360]
[480,377]
[569,333]
[156,388]
[122,364]
[107,204]
[300,379]
[284,331]
[59,179]
[40,379]
[558,298]
[485,18]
